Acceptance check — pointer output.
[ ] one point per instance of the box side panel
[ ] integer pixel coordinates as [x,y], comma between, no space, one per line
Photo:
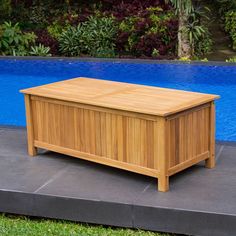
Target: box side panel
[114,136]
[188,137]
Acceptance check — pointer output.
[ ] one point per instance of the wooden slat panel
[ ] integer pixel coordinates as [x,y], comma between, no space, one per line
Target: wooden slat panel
[91,134]
[35,118]
[113,136]
[108,136]
[188,136]
[143,142]
[181,166]
[54,126]
[114,147]
[130,139]
[103,133]
[120,138]
[150,144]
[124,131]
[97,131]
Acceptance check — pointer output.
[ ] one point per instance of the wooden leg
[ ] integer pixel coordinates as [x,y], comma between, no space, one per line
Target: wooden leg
[210,162]
[160,154]
[163,183]
[32,151]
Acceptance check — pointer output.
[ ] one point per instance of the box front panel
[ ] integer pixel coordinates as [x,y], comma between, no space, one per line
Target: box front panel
[115,136]
[188,135]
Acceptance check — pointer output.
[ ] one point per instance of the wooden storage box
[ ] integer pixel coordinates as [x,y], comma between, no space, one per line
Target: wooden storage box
[148,130]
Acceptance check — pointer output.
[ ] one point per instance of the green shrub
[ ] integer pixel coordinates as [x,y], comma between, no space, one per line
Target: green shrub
[230,26]
[40,50]
[38,14]
[94,37]
[197,58]
[99,36]
[128,26]
[5,9]
[55,29]
[158,19]
[155,53]
[13,41]
[140,35]
[20,14]
[203,44]
[184,59]
[233,59]
[71,41]
[204,60]
[225,5]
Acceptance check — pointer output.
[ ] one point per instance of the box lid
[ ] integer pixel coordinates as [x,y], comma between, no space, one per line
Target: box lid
[122,96]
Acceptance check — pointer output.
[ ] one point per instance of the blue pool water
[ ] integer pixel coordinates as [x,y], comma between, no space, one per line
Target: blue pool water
[221,80]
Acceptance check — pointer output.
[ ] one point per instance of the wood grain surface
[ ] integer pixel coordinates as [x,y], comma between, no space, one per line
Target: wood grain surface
[152,131]
[123,96]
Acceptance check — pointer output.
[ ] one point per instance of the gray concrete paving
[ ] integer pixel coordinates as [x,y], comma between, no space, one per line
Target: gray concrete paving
[200,201]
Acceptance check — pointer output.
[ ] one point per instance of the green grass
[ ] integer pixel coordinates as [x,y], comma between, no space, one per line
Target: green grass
[11,225]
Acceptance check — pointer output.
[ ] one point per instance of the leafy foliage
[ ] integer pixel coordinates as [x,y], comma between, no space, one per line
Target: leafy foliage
[40,50]
[5,9]
[71,41]
[44,38]
[105,28]
[182,6]
[94,37]
[140,35]
[230,26]
[225,6]
[38,14]
[185,59]
[55,29]
[203,44]
[233,60]
[13,41]
[99,36]
[194,37]
[227,10]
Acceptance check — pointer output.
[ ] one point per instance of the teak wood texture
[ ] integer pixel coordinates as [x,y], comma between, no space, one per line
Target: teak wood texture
[153,131]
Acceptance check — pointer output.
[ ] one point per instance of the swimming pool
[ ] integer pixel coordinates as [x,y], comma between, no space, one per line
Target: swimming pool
[216,79]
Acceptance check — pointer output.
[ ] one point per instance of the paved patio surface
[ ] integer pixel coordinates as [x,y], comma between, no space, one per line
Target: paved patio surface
[200,201]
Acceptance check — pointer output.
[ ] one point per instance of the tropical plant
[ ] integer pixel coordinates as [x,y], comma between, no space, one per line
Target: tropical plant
[44,38]
[71,41]
[94,37]
[230,26]
[226,5]
[99,36]
[185,59]
[5,9]
[183,9]
[155,52]
[233,59]
[151,26]
[38,14]
[203,44]
[55,29]
[13,41]
[204,60]
[40,50]
[194,32]
[193,37]
[154,29]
